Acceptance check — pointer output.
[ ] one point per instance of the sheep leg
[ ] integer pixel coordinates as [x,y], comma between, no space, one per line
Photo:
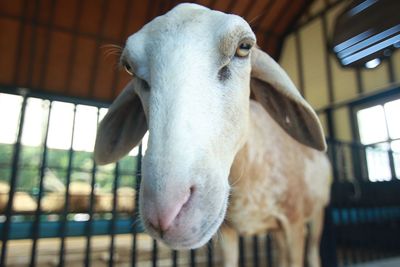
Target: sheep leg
[317,224]
[230,246]
[295,243]
[280,241]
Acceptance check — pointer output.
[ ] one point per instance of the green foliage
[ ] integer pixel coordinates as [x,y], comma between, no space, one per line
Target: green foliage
[57,162]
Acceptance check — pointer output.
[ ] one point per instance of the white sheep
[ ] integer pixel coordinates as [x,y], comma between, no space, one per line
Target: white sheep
[193,71]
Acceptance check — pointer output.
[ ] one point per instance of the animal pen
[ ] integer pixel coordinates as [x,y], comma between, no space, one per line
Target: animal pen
[59,209]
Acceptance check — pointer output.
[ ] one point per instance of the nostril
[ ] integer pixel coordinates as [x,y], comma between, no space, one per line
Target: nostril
[169,215]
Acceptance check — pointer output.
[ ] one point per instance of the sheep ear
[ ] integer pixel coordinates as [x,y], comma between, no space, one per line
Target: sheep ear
[272,87]
[122,128]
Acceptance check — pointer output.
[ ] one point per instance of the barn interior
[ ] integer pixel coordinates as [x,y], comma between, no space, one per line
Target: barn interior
[59,72]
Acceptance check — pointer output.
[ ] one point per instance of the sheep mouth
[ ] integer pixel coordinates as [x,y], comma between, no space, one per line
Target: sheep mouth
[208,230]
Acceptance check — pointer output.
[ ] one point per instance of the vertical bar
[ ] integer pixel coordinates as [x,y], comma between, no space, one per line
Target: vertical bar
[42,172]
[13,184]
[268,252]
[328,242]
[332,137]
[255,252]
[64,217]
[154,254]
[210,255]
[89,224]
[174,258]
[192,258]
[299,59]
[242,262]
[355,150]
[136,213]
[114,214]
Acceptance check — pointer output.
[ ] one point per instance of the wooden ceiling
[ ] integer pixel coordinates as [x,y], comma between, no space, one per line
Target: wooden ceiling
[58,46]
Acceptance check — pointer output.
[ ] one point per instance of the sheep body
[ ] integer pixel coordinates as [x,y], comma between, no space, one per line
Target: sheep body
[191,90]
[278,184]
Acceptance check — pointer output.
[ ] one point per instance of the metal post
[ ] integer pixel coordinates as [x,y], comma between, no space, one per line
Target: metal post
[13,185]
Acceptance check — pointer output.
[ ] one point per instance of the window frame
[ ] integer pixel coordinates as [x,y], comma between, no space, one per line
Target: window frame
[379,98]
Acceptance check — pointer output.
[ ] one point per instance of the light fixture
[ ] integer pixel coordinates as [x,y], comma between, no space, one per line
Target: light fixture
[366,31]
[373,63]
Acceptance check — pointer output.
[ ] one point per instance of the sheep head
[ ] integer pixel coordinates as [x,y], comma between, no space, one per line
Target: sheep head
[190,89]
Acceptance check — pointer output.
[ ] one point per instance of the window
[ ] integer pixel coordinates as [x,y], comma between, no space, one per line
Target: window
[379,131]
[70,126]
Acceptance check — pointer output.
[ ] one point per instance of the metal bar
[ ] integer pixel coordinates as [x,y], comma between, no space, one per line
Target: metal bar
[299,57]
[390,153]
[71,58]
[89,224]
[49,32]
[13,185]
[135,218]
[42,172]
[64,216]
[192,258]
[174,255]
[332,136]
[356,152]
[36,92]
[95,68]
[242,262]
[268,252]
[210,255]
[114,214]
[154,254]
[256,262]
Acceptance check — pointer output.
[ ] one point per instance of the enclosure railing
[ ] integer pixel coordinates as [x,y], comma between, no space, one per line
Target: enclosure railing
[363,220]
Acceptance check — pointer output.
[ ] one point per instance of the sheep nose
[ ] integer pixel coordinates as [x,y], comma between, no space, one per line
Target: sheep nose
[166,216]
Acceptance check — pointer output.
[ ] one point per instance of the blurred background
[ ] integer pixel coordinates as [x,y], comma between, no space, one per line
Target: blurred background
[59,73]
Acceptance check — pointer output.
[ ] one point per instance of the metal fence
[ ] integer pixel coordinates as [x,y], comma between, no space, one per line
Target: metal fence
[362,222]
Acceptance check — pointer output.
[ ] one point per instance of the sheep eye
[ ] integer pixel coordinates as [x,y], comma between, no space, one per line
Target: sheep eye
[243,49]
[128,69]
